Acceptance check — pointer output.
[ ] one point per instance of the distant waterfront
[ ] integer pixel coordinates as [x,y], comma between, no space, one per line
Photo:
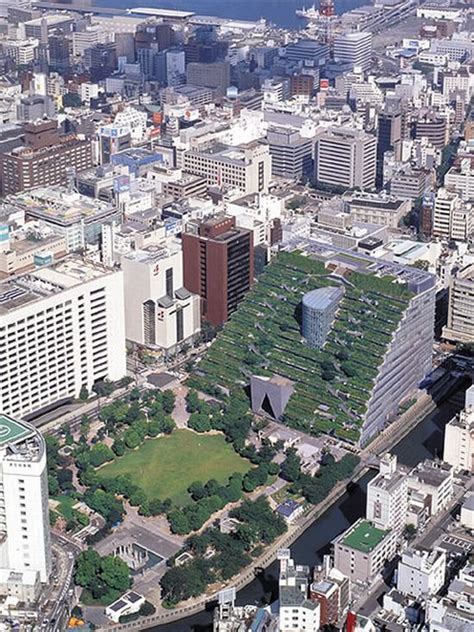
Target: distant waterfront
[279,12]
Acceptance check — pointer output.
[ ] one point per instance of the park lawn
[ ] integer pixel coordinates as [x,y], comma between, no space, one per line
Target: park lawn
[65,507]
[166,466]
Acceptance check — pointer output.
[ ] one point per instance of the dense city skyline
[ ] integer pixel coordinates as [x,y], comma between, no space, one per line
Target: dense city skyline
[236,315]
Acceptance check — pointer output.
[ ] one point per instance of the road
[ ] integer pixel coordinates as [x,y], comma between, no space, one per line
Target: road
[57,594]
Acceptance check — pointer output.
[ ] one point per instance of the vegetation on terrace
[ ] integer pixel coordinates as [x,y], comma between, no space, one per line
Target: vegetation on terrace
[332,385]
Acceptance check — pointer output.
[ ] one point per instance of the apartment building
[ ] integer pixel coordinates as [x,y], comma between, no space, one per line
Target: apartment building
[245,167]
[346,157]
[61,329]
[297,611]
[387,496]
[460,179]
[430,486]
[452,217]
[459,437]
[421,574]
[460,325]
[25,547]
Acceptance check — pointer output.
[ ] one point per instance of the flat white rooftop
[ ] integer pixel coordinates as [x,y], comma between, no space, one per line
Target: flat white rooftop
[164,13]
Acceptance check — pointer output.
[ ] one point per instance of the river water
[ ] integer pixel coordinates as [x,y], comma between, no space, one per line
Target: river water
[425,441]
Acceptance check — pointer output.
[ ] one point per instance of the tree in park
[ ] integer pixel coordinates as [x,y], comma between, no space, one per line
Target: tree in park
[101,574]
[197,490]
[192,401]
[100,454]
[291,466]
[182,582]
[168,399]
[119,447]
[199,422]
[132,439]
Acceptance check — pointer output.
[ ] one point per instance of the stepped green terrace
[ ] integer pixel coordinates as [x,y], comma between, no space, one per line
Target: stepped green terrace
[263,337]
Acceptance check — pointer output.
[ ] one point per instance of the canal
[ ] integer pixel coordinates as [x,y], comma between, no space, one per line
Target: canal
[424,441]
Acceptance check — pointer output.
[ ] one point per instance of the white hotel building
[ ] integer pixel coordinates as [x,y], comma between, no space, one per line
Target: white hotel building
[61,328]
[25,548]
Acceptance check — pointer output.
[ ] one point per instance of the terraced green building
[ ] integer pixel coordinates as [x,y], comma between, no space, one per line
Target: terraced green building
[377,351]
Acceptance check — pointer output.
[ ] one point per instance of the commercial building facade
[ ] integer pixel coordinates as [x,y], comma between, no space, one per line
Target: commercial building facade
[292,155]
[218,265]
[159,311]
[45,160]
[346,157]
[354,48]
[361,552]
[246,167]
[61,329]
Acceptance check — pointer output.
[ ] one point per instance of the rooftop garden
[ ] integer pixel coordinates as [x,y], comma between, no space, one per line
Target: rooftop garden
[263,337]
[364,537]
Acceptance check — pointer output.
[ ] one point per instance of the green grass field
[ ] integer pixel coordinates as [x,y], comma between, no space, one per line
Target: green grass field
[165,467]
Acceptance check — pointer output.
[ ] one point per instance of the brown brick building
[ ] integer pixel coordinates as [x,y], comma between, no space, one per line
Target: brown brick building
[218,265]
[44,159]
[301,85]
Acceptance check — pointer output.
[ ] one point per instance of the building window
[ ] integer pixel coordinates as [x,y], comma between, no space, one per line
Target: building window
[169,282]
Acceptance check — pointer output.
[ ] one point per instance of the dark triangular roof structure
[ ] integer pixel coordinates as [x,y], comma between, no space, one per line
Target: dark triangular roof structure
[270,392]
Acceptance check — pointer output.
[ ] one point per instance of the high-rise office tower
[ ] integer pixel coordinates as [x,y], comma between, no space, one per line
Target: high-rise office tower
[354,48]
[25,548]
[59,51]
[389,137]
[346,157]
[61,329]
[215,75]
[218,265]
[154,35]
[159,311]
[292,155]
[101,60]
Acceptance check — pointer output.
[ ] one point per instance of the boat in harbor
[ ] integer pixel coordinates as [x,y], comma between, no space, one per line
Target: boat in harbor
[309,14]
